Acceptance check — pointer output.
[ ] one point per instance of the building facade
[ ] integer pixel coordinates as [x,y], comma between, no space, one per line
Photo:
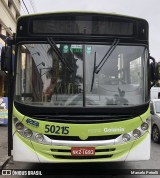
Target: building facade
[9,12]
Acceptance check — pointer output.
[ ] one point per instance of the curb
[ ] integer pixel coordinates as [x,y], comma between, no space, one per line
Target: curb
[5,162]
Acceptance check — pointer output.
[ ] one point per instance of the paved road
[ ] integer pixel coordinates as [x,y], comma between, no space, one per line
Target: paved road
[96,170]
[3,144]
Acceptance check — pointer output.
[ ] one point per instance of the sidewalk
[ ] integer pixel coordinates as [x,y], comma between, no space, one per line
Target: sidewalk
[3,145]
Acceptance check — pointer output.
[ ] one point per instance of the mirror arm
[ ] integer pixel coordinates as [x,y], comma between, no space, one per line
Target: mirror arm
[154,70]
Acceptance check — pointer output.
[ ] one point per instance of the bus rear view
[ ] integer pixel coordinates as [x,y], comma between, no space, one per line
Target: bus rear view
[82,84]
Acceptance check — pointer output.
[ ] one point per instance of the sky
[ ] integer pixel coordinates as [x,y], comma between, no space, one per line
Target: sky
[147,9]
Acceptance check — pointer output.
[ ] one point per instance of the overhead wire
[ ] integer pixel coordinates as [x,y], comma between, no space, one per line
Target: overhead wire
[22,8]
[25,6]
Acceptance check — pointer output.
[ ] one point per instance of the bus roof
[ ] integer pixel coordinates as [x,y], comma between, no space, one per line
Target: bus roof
[81,12]
[93,24]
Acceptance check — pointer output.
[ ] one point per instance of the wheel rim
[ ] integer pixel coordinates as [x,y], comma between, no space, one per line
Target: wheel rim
[155,133]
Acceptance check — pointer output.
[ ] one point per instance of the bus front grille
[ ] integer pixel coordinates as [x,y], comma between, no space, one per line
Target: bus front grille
[76,138]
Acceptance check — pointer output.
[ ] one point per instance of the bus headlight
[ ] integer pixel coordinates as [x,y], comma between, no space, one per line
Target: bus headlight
[19,126]
[126,137]
[136,133]
[144,126]
[27,133]
[39,138]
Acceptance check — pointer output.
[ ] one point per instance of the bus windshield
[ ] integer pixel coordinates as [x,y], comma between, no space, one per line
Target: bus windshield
[44,79]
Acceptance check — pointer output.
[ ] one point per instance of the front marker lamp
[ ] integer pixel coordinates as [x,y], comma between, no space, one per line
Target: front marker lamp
[39,138]
[136,133]
[19,126]
[126,137]
[144,126]
[28,133]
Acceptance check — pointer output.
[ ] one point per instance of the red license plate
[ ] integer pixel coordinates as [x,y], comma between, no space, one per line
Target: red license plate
[82,151]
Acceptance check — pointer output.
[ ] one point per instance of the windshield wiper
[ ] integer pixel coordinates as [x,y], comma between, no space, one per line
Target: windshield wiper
[97,68]
[93,75]
[60,55]
[106,56]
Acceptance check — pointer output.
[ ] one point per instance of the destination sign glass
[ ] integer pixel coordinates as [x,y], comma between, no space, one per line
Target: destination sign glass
[81,25]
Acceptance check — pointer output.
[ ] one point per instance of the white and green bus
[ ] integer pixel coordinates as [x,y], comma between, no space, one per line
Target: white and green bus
[79,87]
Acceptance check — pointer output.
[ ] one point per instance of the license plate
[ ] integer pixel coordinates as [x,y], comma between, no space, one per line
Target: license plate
[82,151]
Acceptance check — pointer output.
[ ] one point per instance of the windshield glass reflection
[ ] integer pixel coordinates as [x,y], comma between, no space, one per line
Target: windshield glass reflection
[45,77]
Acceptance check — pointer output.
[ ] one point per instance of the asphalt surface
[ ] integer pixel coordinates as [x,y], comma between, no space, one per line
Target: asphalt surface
[4,158]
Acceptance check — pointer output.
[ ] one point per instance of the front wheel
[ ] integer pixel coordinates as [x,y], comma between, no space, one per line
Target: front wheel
[156,134]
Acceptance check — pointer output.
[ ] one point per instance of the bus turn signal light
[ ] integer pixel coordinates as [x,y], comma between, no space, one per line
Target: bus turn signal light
[19,126]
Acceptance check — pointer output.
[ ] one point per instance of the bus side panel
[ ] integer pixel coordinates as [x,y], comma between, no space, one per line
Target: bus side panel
[21,152]
[141,151]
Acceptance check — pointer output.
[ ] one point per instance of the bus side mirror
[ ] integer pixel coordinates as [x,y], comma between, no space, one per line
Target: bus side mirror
[158,71]
[153,71]
[5,57]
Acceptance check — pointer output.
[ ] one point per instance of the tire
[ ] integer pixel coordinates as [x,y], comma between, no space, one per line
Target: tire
[155,134]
